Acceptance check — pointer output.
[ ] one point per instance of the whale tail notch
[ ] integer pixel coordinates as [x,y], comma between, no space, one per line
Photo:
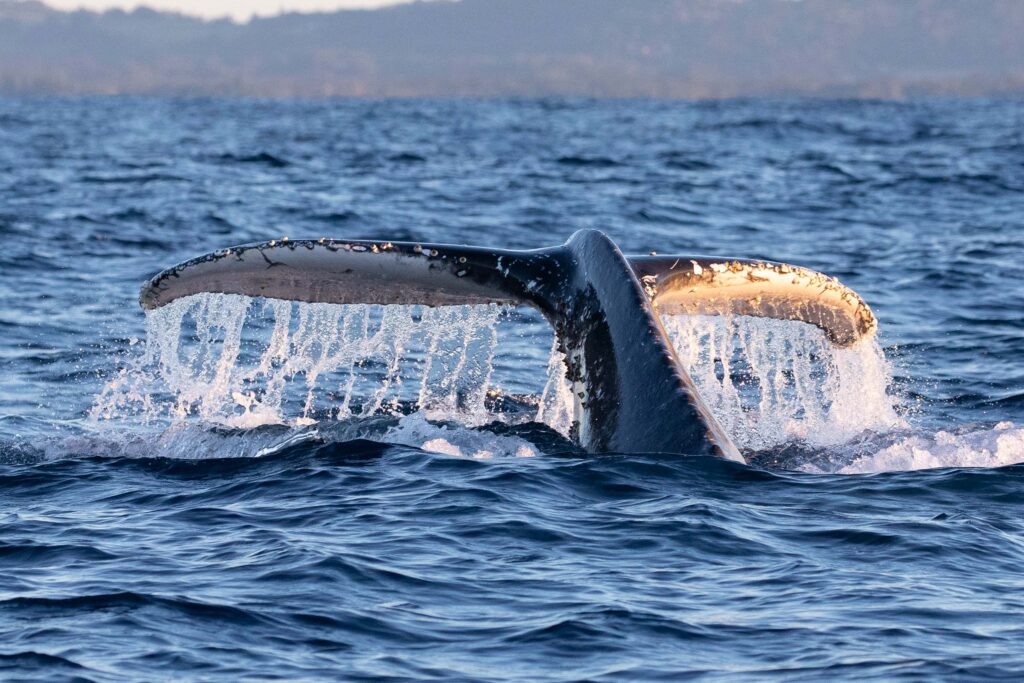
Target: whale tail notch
[602,304]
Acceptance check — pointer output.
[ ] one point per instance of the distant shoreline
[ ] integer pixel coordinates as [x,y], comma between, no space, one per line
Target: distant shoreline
[665,49]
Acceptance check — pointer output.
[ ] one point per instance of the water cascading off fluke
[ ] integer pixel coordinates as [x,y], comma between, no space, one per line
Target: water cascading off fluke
[627,359]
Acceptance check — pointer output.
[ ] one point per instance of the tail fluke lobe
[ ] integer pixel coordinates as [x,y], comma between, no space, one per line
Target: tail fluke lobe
[348,272]
[703,285]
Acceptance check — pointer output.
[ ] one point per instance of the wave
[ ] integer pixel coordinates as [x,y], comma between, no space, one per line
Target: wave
[998,446]
[214,447]
[259,158]
[587,161]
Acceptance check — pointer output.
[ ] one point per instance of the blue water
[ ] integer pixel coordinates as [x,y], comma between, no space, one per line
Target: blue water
[133,547]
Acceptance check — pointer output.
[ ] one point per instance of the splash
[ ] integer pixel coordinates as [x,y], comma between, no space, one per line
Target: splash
[769,382]
[454,440]
[772,382]
[229,360]
[243,363]
[556,405]
[998,446]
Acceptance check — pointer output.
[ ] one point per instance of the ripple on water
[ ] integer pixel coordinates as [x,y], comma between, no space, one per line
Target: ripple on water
[233,517]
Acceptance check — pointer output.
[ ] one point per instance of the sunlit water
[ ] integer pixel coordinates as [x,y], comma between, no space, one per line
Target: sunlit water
[231,487]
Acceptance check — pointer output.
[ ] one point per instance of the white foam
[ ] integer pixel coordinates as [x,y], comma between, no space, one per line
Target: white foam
[995,447]
[454,440]
[183,440]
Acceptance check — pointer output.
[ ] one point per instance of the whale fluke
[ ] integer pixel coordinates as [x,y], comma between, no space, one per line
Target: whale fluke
[702,285]
[632,394]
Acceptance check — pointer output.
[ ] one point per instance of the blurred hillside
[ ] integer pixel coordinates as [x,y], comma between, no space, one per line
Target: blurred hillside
[666,48]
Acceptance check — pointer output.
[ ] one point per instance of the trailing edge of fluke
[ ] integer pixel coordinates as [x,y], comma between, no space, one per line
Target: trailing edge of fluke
[632,394]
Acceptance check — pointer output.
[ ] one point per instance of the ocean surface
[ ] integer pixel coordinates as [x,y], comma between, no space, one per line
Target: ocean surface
[234,489]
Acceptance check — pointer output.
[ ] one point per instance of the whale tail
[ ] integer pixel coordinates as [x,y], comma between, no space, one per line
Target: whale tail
[632,394]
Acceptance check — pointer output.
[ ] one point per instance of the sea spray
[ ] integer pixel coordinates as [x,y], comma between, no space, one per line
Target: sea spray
[241,362]
[556,405]
[228,360]
[772,382]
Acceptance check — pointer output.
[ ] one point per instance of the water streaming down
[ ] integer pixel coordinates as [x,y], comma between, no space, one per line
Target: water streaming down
[240,362]
[772,382]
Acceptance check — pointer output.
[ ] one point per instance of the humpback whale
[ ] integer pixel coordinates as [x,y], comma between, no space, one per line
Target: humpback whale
[631,392]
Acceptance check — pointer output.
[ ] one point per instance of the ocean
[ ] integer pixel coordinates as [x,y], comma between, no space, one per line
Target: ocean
[236,489]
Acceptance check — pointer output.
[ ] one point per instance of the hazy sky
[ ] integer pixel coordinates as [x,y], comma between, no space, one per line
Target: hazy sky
[238,9]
